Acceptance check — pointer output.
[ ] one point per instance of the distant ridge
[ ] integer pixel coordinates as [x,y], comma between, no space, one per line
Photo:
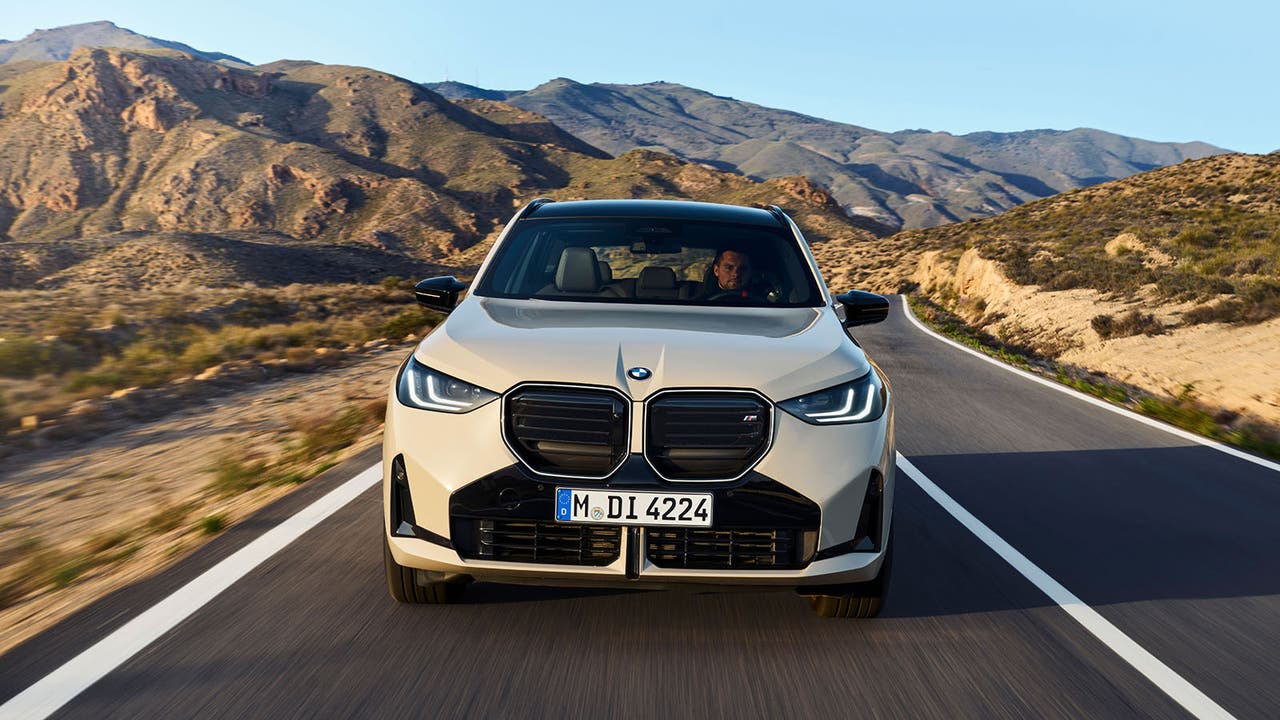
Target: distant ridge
[58,44]
[456,90]
[150,166]
[907,179]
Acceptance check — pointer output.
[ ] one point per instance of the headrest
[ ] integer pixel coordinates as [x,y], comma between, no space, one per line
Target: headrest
[656,277]
[578,271]
[606,272]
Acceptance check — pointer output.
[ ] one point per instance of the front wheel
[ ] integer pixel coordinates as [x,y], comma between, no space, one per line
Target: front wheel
[858,600]
[404,588]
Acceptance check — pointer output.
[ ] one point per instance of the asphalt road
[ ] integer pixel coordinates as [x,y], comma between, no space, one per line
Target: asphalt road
[1174,543]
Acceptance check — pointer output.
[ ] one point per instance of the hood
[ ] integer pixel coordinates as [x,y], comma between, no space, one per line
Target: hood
[780,352]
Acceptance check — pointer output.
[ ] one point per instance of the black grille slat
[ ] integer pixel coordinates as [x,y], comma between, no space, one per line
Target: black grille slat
[570,431]
[585,419]
[546,542]
[706,436]
[563,434]
[732,549]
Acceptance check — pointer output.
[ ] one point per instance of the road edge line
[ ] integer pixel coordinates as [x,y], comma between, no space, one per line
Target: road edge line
[1173,684]
[1150,422]
[73,677]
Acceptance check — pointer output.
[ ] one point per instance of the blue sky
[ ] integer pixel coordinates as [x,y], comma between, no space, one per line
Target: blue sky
[1172,71]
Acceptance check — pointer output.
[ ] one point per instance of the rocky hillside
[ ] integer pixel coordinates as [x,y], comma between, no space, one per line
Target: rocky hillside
[116,143]
[1168,281]
[1204,231]
[908,179]
[58,43]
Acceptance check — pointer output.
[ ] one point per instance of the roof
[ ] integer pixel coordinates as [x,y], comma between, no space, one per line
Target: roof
[666,209]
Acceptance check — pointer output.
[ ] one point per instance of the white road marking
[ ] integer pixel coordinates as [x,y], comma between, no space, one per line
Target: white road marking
[1152,422]
[1173,684]
[58,687]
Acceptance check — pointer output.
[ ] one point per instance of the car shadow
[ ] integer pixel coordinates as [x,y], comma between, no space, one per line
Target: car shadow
[493,593]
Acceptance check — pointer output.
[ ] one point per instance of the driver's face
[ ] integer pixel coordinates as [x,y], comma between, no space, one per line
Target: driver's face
[733,271]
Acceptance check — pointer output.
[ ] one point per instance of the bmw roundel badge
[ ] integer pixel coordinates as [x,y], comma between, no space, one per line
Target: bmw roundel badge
[639,373]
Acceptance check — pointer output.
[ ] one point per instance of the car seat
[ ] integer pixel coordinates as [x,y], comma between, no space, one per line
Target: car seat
[657,282]
[578,274]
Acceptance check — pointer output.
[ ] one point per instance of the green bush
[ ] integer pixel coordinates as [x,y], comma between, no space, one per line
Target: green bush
[1104,390]
[208,352]
[21,357]
[212,524]
[260,309]
[409,322]
[106,380]
[72,328]
[69,571]
[1196,237]
[1188,285]
[1080,269]
[232,476]
[1259,301]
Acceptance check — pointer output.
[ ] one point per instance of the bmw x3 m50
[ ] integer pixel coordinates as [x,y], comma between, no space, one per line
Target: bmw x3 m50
[642,393]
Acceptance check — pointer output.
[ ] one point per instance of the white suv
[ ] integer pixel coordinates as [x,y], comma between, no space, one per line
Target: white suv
[642,393]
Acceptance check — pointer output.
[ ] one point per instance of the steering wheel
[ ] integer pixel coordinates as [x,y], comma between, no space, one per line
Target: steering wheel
[727,295]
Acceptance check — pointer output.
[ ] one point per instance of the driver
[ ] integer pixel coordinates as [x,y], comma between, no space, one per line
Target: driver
[731,276]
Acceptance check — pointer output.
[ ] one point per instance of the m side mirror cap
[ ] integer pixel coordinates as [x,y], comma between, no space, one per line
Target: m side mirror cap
[863,308]
[439,293]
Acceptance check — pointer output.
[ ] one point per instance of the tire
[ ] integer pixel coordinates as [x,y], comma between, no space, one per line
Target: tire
[858,600]
[405,589]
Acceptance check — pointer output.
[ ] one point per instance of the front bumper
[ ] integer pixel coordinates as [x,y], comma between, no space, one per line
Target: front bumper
[814,480]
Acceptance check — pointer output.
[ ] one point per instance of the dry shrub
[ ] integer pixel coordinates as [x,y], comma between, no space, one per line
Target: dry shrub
[233,475]
[1134,322]
[325,433]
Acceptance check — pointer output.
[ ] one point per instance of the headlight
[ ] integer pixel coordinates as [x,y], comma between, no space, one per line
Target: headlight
[860,400]
[424,388]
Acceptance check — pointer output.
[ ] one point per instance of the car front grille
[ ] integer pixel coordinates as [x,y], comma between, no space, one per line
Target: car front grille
[730,549]
[567,431]
[706,436]
[539,542]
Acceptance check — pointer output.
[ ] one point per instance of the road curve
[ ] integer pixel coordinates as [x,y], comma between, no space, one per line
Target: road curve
[1170,541]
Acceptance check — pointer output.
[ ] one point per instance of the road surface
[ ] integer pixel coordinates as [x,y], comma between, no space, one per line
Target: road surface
[1173,544]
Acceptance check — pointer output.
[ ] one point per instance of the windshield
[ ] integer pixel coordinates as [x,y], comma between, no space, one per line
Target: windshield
[649,261]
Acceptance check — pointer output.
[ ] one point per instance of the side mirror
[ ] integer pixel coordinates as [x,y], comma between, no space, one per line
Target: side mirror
[439,293]
[863,308]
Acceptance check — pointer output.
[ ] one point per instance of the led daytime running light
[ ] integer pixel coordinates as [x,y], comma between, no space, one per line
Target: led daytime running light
[842,415]
[416,376]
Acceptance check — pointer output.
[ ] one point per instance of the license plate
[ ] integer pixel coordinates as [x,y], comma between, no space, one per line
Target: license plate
[633,508]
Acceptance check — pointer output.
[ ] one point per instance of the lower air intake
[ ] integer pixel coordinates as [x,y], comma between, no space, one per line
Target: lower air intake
[730,549]
[543,542]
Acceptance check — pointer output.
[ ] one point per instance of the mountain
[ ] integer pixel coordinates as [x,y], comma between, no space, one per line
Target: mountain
[111,145]
[58,44]
[907,179]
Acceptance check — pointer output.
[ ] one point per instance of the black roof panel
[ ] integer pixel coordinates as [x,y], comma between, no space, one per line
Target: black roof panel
[667,209]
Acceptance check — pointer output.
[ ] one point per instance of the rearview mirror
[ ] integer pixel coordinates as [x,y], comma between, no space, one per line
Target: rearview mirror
[862,308]
[439,293]
[656,246]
